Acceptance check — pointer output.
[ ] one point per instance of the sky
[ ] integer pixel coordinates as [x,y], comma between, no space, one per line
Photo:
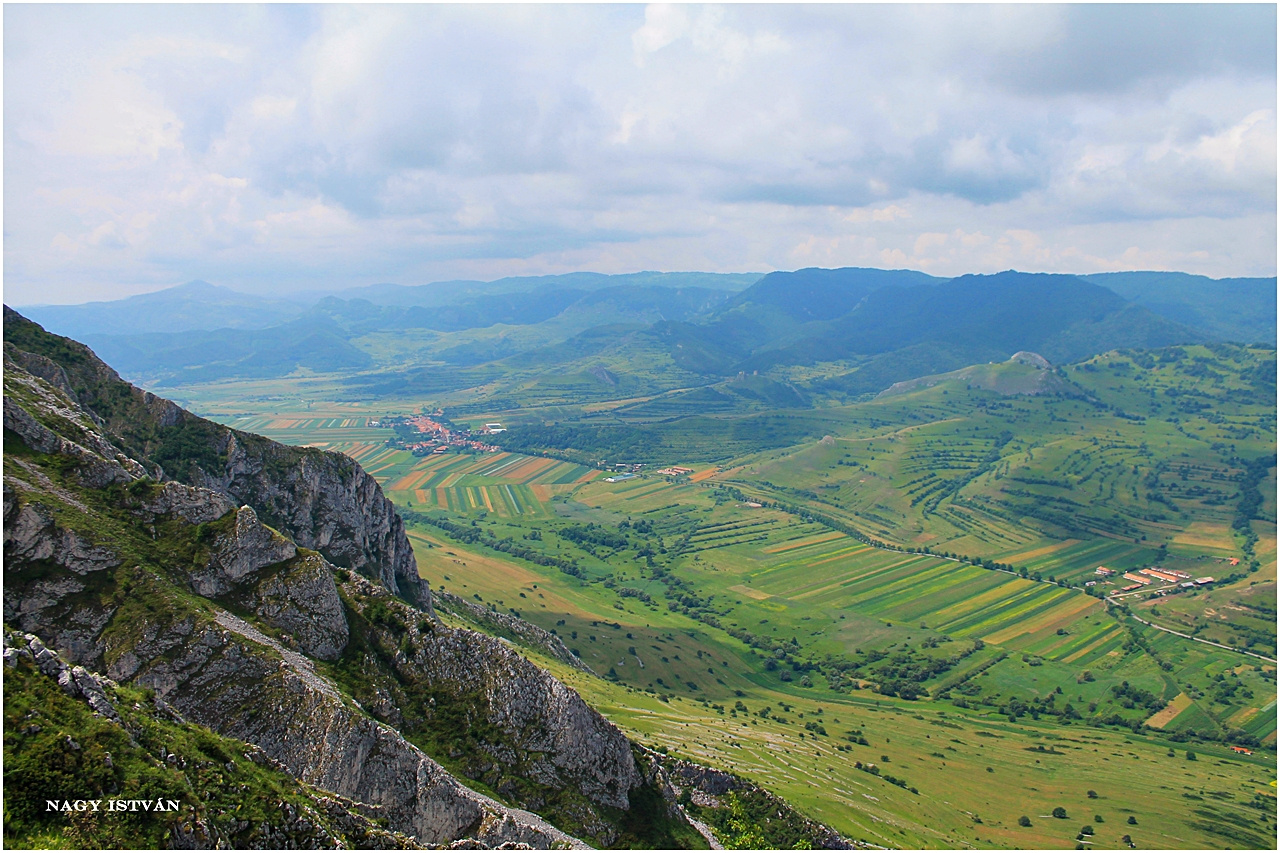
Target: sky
[287,147]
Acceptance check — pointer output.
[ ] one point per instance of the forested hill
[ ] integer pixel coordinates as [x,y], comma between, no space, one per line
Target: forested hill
[693,328]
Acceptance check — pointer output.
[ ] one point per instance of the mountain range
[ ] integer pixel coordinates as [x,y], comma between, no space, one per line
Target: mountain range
[889,325]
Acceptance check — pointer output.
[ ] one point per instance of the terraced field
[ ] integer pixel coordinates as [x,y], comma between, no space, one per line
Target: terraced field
[321,430]
[505,484]
[687,599]
[807,571]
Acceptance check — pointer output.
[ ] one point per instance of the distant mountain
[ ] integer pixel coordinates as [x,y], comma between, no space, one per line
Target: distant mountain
[196,305]
[203,356]
[1233,309]
[451,292]
[444,306]
[894,325]
[910,325]
[820,294]
[320,340]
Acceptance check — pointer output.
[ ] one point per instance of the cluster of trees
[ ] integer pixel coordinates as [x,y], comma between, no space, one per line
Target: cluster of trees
[1250,506]
[594,534]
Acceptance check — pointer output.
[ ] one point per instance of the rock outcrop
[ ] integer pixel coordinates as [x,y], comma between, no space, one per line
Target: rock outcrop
[707,789]
[304,819]
[173,587]
[551,734]
[321,500]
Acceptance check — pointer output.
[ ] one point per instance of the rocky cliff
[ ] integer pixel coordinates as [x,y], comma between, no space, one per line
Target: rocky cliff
[93,741]
[321,500]
[351,685]
[205,594]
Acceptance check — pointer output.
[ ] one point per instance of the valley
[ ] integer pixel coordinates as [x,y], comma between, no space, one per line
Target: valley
[739,583]
[896,582]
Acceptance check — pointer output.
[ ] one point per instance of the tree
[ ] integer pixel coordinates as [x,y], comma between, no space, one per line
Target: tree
[1093,795]
[1132,821]
[1087,829]
[1059,812]
[741,832]
[1024,821]
[1191,756]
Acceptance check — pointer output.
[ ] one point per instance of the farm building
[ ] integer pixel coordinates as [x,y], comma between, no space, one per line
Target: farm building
[1104,571]
[618,478]
[1139,579]
[1161,574]
[675,471]
[1131,587]
[1203,581]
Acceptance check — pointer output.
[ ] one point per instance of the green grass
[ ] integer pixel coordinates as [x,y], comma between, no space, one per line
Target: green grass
[1137,465]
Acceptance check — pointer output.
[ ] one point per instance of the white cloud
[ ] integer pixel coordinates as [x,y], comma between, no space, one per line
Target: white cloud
[343,144]
[663,24]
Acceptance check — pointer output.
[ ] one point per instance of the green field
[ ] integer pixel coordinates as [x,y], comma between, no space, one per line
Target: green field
[962,644]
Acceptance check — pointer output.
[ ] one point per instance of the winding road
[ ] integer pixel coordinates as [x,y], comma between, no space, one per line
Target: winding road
[1197,639]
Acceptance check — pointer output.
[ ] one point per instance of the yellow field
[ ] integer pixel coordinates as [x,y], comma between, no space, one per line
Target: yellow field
[1206,536]
[1040,552]
[1165,715]
[802,543]
[749,592]
[1058,617]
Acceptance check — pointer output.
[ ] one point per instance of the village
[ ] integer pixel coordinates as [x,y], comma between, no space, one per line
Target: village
[423,435]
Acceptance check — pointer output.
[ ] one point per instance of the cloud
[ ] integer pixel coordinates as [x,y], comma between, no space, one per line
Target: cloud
[328,145]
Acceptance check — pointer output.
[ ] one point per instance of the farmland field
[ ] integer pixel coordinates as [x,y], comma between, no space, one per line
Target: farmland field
[917,571]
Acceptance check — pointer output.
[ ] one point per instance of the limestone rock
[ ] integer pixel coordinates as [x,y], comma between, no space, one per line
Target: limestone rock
[249,546]
[302,600]
[512,626]
[561,741]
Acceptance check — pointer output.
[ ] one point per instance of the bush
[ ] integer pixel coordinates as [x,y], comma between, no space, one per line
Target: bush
[1024,821]
[1059,812]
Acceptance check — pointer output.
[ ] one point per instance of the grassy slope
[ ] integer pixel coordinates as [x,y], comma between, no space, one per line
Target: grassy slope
[214,781]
